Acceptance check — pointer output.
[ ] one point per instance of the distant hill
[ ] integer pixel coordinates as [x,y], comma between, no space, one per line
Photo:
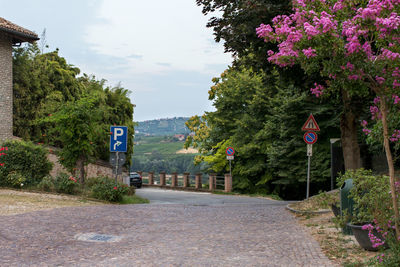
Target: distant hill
[162,127]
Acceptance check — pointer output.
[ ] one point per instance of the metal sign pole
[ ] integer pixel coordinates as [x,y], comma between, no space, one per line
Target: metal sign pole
[230,168]
[308,176]
[116,168]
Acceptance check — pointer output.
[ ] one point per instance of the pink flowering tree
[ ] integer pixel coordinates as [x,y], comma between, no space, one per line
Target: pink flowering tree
[355,48]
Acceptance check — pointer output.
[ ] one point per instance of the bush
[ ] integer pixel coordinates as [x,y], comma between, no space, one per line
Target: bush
[47,184]
[27,159]
[15,179]
[370,194]
[107,189]
[90,182]
[65,183]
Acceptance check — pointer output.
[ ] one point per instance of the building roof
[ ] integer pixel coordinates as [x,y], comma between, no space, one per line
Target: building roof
[18,33]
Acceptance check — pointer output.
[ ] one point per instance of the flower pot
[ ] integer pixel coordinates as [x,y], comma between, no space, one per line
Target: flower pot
[362,237]
[335,210]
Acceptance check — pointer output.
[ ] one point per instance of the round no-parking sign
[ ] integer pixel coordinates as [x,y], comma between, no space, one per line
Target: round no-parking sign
[230,151]
[310,137]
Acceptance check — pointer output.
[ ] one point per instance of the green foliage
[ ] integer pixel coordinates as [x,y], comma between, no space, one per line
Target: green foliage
[371,196]
[45,85]
[65,183]
[47,184]
[261,117]
[26,159]
[15,179]
[76,126]
[107,189]
[41,83]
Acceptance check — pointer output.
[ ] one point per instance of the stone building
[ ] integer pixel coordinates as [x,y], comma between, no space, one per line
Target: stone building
[10,35]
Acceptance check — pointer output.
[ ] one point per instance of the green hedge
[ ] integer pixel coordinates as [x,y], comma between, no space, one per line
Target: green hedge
[25,159]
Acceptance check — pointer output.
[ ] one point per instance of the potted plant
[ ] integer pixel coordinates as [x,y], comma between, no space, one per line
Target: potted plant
[371,207]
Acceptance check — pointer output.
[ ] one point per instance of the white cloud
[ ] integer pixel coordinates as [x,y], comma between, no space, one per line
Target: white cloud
[169,32]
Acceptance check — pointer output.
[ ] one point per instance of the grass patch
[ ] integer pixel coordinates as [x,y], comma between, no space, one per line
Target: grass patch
[133,200]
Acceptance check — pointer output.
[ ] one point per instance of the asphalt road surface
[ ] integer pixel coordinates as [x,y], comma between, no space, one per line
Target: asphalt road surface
[161,196]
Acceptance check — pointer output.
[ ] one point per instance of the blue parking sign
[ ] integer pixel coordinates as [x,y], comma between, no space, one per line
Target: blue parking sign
[118,138]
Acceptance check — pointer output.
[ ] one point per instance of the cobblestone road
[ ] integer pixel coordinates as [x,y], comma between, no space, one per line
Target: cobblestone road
[159,235]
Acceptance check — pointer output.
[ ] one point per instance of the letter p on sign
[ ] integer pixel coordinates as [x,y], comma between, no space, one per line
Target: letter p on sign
[118,132]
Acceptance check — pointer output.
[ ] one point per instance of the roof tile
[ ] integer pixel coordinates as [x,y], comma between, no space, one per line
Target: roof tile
[17,30]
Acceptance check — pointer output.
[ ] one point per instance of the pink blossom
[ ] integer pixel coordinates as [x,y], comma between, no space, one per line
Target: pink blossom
[387,24]
[364,123]
[264,31]
[337,6]
[386,53]
[310,30]
[353,45]
[369,13]
[349,29]
[396,83]
[300,3]
[395,136]
[379,80]
[396,99]
[396,72]
[366,131]
[318,90]
[375,112]
[309,52]
[326,22]
[353,77]
[349,66]
[367,49]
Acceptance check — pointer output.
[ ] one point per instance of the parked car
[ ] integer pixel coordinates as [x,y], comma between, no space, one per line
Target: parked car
[135,179]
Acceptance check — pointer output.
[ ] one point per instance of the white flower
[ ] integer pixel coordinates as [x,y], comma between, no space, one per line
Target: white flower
[22,184]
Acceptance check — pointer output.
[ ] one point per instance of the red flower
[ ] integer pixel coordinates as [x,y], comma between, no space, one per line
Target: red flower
[115,188]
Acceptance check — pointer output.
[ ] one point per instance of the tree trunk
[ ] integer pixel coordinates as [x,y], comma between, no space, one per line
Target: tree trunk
[81,167]
[389,159]
[348,129]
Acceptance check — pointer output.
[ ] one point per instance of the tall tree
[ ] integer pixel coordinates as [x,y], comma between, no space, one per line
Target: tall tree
[262,122]
[355,47]
[45,83]
[234,23]
[76,128]
[41,83]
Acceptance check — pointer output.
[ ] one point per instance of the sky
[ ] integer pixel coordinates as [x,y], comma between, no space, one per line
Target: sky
[159,50]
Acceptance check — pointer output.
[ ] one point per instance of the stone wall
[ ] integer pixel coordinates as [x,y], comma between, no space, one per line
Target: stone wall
[6,94]
[99,168]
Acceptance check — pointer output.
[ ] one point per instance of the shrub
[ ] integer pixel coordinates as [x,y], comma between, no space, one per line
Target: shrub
[370,194]
[90,182]
[65,183]
[47,184]
[15,179]
[27,159]
[107,189]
